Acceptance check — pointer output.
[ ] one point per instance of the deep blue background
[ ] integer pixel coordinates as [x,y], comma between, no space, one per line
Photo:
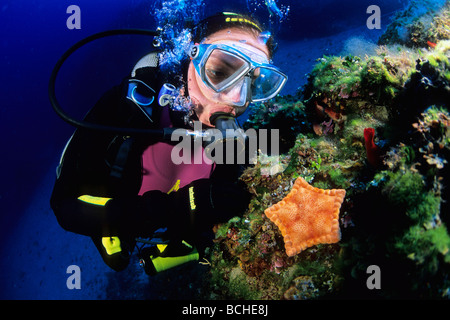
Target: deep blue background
[33,35]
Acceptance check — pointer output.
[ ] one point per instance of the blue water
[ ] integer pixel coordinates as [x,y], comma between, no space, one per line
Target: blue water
[35,252]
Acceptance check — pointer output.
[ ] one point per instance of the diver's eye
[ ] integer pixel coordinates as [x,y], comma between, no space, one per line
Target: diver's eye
[216,76]
[222,65]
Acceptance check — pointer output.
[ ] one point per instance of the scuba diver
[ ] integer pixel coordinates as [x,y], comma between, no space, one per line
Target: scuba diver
[122,190]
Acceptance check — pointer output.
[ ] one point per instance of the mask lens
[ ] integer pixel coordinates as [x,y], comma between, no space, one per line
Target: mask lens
[223,69]
[266,83]
[236,94]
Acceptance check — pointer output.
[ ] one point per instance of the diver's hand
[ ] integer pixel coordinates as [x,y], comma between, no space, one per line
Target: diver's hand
[206,202]
[195,208]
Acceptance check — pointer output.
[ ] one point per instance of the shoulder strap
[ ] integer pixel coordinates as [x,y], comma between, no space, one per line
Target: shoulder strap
[120,161]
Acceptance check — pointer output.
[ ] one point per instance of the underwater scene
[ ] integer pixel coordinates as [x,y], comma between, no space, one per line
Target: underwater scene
[354,206]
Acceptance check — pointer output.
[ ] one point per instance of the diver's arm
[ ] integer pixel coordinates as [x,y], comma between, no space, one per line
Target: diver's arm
[83,205]
[101,216]
[197,206]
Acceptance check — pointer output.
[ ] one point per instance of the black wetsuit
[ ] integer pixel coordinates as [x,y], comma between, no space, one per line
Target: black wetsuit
[99,178]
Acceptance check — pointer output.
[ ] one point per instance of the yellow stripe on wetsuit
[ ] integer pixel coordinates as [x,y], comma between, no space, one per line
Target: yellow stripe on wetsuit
[99,201]
[111,244]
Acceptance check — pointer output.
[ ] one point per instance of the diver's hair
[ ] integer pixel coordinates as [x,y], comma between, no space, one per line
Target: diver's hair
[224,20]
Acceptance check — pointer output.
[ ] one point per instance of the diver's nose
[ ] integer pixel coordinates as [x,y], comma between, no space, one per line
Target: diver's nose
[236,95]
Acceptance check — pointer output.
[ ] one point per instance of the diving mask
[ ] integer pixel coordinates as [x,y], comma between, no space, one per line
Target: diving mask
[236,72]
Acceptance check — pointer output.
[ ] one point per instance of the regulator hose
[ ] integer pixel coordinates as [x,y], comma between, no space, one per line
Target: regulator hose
[161,133]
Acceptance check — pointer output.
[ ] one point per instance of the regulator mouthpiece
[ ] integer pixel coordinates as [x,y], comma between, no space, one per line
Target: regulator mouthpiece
[226,131]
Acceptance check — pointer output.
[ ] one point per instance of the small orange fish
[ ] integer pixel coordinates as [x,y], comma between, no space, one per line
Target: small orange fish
[432,44]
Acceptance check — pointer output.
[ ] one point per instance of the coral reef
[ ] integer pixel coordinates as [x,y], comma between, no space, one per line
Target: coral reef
[421,25]
[395,213]
[285,113]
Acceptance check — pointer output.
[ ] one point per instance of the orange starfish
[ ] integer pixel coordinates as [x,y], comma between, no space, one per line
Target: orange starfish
[307,216]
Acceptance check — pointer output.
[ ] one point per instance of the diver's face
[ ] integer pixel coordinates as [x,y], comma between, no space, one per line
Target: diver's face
[205,100]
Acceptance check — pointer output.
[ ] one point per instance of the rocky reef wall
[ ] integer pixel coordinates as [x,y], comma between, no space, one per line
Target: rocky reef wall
[377,126]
